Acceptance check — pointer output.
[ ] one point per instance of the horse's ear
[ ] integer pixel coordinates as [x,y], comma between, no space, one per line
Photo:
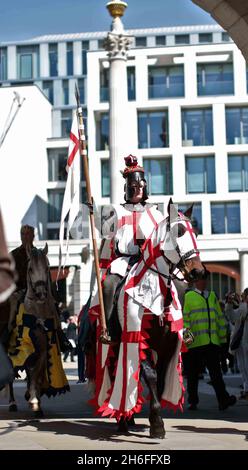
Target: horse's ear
[188,212]
[172,211]
[45,250]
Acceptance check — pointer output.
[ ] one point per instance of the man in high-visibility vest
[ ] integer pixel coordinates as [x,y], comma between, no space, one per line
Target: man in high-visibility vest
[202,316]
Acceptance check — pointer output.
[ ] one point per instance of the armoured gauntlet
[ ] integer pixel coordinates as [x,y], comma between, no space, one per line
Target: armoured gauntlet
[188,336]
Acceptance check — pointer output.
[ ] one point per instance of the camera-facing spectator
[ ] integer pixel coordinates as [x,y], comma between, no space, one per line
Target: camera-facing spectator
[233,298]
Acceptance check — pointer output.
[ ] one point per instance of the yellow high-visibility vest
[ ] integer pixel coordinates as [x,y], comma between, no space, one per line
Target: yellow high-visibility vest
[204,318]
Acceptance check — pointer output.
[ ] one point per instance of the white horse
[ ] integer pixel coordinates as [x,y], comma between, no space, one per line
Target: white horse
[150,316]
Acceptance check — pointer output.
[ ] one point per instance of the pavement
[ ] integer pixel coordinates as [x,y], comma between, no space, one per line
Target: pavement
[68,423]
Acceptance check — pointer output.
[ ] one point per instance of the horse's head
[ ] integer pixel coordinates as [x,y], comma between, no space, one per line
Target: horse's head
[180,246]
[38,273]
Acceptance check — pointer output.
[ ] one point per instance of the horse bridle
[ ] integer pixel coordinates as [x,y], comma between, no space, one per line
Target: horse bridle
[181,264]
[37,284]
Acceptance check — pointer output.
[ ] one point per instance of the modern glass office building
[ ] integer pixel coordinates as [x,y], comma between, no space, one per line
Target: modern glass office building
[187,121]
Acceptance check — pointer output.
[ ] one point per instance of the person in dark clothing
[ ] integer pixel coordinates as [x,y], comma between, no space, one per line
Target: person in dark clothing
[71,334]
[84,328]
[21,258]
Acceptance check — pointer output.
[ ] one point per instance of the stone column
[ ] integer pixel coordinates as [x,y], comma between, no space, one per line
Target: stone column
[116,44]
[243,255]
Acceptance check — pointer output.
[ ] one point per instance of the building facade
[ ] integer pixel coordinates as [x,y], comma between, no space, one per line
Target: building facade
[187,121]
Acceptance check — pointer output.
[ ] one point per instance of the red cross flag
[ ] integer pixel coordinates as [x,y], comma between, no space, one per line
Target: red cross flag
[71,201]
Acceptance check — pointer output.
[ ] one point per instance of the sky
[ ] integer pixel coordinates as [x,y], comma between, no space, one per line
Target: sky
[25,19]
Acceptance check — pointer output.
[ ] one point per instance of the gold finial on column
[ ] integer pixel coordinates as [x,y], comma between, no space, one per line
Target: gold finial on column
[116,8]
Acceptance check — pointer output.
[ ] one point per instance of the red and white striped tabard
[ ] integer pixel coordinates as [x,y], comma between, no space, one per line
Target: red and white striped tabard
[123,396]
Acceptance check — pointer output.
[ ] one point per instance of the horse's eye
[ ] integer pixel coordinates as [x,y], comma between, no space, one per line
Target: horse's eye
[179,230]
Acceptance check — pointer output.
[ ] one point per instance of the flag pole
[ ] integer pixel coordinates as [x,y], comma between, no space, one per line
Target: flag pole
[104,337]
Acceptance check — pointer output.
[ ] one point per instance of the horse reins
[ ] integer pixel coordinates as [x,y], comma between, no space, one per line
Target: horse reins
[182,258]
[36,284]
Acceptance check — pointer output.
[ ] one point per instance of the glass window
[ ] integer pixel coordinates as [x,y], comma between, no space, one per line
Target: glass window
[165,81]
[69,57]
[182,39]
[3,63]
[131,83]
[158,174]
[196,217]
[102,134]
[26,66]
[221,284]
[101,43]
[215,79]
[238,172]
[48,90]
[105,178]
[205,37]
[53,60]
[200,174]
[225,37]
[81,89]
[140,41]
[197,126]
[53,234]
[27,62]
[225,217]
[55,201]
[85,45]
[65,92]
[104,85]
[237,125]
[160,40]
[153,129]
[85,48]
[66,122]
[215,282]
[57,159]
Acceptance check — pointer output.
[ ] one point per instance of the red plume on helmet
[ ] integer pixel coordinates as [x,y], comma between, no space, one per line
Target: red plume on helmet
[133,173]
[131,166]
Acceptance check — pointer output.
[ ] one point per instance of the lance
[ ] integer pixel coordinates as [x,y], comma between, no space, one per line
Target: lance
[104,338]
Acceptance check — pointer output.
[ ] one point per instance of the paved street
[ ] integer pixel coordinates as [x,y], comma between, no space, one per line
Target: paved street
[68,424]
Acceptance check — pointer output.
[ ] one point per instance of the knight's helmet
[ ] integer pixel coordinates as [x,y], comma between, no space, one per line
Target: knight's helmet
[133,173]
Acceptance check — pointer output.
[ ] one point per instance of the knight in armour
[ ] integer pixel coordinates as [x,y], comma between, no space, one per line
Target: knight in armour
[128,226]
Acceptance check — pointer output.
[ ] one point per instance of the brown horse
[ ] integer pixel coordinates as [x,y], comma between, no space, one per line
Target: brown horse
[33,343]
[150,318]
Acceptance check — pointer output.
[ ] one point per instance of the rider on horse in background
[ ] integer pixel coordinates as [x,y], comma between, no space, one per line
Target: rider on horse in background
[21,258]
[127,227]
[21,265]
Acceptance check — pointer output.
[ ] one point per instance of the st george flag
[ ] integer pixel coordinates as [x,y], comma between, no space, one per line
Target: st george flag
[71,201]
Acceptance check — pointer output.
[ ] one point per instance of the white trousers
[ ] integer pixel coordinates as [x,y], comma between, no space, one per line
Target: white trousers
[242,358]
